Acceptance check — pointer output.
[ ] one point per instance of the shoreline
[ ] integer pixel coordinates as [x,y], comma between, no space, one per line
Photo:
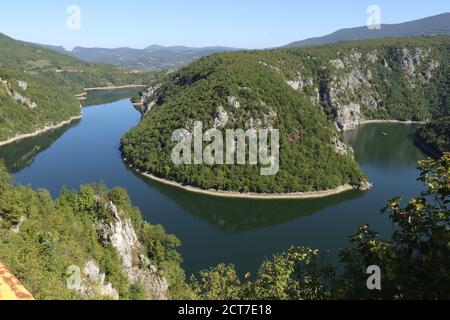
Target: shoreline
[40,131]
[238,195]
[256,196]
[116,87]
[392,121]
[426,149]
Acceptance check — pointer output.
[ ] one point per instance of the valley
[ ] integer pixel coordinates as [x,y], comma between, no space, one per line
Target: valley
[209,232]
[38,87]
[208,172]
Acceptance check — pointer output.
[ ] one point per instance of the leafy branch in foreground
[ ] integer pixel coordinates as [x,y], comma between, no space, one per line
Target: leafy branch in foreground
[414,262]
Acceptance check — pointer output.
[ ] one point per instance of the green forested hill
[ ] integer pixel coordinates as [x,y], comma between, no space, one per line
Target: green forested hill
[309,94]
[37,86]
[434,137]
[49,244]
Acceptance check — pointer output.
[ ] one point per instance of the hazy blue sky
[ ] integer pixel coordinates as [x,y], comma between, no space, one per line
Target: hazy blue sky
[238,23]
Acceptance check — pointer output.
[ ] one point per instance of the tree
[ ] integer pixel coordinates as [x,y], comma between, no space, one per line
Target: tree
[218,283]
[415,261]
[5,178]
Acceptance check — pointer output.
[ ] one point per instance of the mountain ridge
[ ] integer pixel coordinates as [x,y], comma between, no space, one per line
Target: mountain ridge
[428,26]
[153,58]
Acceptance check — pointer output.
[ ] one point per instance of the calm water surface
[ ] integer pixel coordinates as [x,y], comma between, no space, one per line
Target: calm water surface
[214,230]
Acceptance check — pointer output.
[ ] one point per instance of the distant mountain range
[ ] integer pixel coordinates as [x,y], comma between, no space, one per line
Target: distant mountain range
[435,25]
[154,57]
[157,57]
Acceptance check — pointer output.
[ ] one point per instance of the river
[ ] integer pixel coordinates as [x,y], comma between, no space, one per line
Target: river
[214,230]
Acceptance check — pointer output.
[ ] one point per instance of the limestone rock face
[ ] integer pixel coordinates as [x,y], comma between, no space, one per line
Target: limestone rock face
[24,100]
[412,62]
[348,116]
[17,95]
[372,57]
[96,283]
[369,101]
[338,64]
[340,147]
[147,98]
[296,85]
[300,81]
[120,234]
[22,84]
[221,118]
[233,102]
[349,90]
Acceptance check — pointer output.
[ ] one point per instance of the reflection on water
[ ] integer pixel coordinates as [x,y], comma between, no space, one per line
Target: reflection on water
[21,154]
[98,97]
[240,215]
[388,145]
[214,230]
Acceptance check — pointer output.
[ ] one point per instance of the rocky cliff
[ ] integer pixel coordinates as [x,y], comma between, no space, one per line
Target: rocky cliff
[401,80]
[17,96]
[359,85]
[91,244]
[119,233]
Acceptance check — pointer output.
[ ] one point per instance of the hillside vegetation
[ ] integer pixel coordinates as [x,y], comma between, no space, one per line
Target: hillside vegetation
[96,232]
[37,85]
[309,94]
[434,137]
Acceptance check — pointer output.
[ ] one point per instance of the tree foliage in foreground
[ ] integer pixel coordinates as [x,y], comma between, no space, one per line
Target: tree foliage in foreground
[414,262]
[436,135]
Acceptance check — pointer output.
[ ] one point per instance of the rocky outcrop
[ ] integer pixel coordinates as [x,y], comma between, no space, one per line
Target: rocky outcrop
[418,65]
[22,84]
[90,282]
[348,117]
[340,147]
[24,100]
[338,64]
[17,95]
[300,82]
[97,284]
[295,84]
[363,185]
[119,233]
[233,102]
[349,90]
[372,57]
[220,118]
[147,98]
